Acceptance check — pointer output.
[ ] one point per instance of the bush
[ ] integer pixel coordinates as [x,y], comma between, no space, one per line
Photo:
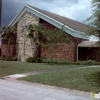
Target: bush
[89,62]
[9,58]
[14,58]
[46,60]
[34,59]
[30,59]
[66,62]
[59,62]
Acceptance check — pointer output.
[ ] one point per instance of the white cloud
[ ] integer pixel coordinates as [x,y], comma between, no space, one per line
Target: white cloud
[82,10]
[78,10]
[75,9]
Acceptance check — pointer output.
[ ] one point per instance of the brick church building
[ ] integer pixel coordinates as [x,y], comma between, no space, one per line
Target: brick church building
[76,50]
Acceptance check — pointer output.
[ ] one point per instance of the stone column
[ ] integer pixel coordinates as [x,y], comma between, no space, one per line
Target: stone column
[29,49]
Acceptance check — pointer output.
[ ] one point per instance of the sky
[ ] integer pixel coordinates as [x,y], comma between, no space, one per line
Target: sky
[78,10]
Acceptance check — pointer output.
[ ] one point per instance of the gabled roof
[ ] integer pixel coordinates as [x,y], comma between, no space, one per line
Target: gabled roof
[66,21]
[72,27]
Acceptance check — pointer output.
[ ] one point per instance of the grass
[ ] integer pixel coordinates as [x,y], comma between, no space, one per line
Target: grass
[14,67]
[87,79]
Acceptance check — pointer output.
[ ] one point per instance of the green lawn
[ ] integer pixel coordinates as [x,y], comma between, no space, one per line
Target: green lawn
[13,67]
[87,79]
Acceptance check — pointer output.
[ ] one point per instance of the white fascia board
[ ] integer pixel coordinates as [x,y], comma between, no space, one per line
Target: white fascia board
[77,34]
[59,25]
[82,35]
[43,16]
[48,19]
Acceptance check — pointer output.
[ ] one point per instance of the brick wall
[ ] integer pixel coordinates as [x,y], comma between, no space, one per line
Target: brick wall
[67,51]
[8,49]
[64,51]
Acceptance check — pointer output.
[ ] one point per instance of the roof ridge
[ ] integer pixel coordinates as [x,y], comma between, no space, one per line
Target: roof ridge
[59,15]
[72,27]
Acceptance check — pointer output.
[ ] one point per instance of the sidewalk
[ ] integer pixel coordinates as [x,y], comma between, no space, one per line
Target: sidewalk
[15,76]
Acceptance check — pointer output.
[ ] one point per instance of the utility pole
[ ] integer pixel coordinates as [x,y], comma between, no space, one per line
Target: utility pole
[0,22]
[0,13]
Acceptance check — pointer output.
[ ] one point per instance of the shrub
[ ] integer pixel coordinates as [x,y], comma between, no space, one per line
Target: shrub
[46,60]
[9,58]
[40,60]
[30,59]
[14,58]
[66,62]
[58,62]
[89,62]
[3,58]
[34,59]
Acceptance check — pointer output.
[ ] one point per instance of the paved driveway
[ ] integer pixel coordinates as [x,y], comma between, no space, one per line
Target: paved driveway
[19,90]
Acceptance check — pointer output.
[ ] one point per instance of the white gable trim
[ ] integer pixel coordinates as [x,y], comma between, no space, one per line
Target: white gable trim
[50,20]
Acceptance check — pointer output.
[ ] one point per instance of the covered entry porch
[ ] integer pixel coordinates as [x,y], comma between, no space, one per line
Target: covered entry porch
[88,50]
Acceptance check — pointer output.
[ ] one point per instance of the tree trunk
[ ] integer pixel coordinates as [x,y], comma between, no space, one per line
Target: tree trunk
[32,46]
[9,51]
[52,54]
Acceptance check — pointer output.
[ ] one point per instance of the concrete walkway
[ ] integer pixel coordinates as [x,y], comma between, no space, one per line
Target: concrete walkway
[20,90]
[15,76]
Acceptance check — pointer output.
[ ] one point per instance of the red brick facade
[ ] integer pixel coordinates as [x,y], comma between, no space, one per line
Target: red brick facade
[8,49]
[67,51]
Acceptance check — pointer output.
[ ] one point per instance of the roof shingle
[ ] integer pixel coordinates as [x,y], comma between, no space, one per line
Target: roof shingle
[66,21]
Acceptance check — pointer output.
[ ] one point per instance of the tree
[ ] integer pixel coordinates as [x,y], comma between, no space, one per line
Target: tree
[9,37]
[54,38]
[94,19]
[94,22]
[49,37]
[34,37]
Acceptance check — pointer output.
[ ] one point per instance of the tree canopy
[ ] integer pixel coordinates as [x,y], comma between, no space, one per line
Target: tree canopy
[94,22]
[9,34]
[48,37]
[94,19]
